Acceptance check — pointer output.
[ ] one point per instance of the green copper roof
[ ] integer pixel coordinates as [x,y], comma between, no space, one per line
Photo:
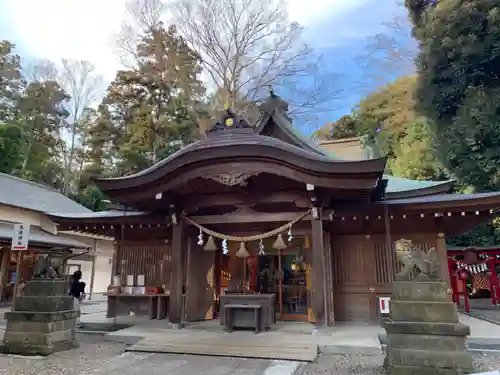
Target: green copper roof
[399,185]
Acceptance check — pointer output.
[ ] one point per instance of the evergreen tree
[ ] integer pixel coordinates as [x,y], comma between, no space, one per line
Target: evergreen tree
[458,86]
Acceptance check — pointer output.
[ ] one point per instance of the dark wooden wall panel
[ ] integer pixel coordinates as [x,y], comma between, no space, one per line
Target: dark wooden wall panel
[363,270]
[150,260]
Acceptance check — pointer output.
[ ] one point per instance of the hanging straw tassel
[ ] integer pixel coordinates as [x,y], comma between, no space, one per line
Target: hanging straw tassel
[210,245]
[242,251]
[279,244]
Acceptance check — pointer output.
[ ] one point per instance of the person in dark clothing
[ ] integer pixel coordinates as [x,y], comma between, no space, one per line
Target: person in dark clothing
[77,290]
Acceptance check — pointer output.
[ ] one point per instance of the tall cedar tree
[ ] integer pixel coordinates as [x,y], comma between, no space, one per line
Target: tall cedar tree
[41,113]
[150,110]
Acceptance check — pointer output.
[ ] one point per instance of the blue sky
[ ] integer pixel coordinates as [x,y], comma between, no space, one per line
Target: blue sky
[338,29]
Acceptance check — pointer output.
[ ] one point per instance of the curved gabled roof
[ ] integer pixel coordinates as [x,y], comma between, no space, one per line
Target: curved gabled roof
[275,109]
[246,145]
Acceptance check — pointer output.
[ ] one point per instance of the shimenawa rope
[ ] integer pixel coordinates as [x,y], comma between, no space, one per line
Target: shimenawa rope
[246,238]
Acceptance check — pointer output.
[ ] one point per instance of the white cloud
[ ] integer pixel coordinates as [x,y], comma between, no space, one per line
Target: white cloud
[55,29]
[83,29]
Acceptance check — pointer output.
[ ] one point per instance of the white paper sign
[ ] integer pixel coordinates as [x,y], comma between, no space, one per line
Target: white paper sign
[383,303]
[20,236]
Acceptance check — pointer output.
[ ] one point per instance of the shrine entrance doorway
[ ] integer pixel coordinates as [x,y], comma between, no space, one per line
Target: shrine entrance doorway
[285,273]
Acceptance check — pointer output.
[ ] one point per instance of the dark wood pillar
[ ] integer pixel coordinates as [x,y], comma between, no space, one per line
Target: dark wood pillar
[200,282]
[177,273]
[328,275]
[317,274]
[4,268]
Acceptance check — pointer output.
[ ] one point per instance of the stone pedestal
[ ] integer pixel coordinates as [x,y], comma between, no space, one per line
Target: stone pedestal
[44,320]
[424,336]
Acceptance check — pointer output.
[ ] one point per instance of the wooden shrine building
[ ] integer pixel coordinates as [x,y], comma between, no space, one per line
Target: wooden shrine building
[265,208]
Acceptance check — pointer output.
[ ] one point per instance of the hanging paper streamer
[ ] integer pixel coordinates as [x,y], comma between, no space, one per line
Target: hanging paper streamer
[261,248]
[290,237]
[473,269]
[200,238]
[224,247]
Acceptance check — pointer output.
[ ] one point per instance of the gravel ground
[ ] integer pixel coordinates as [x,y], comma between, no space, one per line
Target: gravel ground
[93,352]
[98,357]
[372,365]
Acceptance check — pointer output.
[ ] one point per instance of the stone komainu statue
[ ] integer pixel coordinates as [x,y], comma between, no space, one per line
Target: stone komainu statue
[416,263]
[50,267]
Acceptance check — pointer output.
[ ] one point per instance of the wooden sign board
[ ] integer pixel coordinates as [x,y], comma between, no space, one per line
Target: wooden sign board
[20,237]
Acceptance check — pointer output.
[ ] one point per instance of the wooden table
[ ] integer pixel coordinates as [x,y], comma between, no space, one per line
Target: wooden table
[157,303]
[235,316]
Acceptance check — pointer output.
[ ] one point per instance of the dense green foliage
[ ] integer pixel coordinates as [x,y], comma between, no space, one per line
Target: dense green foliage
[406,138]
[148,112]
[459,86]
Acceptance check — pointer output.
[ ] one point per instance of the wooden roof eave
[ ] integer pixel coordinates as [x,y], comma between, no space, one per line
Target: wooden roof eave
[445,203]
[286,155]
[126,218]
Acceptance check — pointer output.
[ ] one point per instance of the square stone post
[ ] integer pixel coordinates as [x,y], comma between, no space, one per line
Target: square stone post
[424,336]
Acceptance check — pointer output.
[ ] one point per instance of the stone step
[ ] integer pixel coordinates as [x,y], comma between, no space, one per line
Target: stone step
[50,287]
[422,291]
[45,303]
[34,316]
[40,327]
[427,342]
[427,328]
[420,311]
[37,338]
[429,358]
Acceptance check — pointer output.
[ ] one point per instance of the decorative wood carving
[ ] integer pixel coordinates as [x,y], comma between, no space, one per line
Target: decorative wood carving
[232,179]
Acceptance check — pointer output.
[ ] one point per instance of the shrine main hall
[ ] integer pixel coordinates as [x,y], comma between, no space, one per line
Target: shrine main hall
[264,210]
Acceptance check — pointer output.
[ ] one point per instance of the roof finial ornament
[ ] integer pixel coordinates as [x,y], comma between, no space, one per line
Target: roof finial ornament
[230,120]
[274,102]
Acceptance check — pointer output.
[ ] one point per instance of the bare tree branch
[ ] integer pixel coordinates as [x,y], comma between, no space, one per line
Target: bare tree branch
[248,45]
[142,15]
[40,70]
[389,54]
[80,81]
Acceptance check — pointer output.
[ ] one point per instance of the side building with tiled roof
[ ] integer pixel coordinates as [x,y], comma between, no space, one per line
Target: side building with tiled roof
[27,202]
